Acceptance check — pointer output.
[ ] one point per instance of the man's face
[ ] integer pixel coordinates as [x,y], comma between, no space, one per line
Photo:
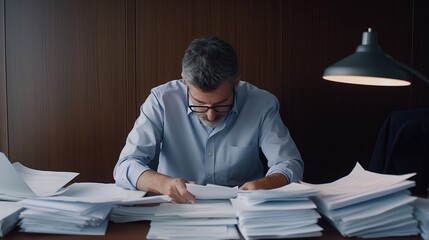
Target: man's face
[220,102]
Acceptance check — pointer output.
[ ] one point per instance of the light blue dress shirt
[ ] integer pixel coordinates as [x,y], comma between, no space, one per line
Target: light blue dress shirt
[226,155]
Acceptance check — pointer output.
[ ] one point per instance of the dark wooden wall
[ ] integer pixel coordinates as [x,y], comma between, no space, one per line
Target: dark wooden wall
[73,73]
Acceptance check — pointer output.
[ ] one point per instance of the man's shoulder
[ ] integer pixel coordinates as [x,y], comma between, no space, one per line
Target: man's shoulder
[170,86]
[253,92]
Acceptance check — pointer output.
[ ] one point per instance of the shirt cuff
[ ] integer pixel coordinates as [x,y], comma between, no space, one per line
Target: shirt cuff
[135,170]
[286,172]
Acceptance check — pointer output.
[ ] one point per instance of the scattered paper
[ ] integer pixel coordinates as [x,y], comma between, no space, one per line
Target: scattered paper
[211,191]
[368,205]
[18,181]
[91,192]
[359,181]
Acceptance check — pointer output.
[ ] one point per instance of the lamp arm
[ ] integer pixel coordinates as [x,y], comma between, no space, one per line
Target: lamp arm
[410,69]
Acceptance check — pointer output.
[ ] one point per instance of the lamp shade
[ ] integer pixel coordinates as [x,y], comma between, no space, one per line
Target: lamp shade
[369,65]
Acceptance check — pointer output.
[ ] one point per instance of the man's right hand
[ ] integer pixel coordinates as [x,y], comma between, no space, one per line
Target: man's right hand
[175,188]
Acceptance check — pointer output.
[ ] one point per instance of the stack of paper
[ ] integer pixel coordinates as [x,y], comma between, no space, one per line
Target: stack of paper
[285,212]
[206,219]
[124,214]
[421,212]
[82,210]
[368,205]
[121,214]
[59,217]
[9,215]
[19,182]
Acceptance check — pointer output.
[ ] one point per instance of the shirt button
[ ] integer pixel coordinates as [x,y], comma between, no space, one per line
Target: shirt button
[210,153]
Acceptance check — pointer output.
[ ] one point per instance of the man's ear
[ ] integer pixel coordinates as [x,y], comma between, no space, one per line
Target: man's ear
[236,82]
[184,80]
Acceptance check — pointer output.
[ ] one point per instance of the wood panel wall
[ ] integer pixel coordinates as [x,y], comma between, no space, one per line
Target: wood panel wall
[74,73]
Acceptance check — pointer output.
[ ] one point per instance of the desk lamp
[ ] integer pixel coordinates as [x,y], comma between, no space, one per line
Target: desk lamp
[369,65]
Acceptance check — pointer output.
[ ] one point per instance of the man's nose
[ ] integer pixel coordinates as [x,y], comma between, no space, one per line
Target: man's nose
[211,115]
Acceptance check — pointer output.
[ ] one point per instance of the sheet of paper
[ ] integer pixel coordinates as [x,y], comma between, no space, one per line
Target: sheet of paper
[359,181]
[11,183]
[211,191]
[92,192]
[146,200]
[292,191]
[18,181]
[44,183]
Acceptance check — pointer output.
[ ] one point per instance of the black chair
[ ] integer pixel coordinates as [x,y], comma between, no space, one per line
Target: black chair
[402,147]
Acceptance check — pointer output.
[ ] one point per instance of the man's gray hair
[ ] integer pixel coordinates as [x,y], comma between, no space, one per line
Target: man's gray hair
[209,61]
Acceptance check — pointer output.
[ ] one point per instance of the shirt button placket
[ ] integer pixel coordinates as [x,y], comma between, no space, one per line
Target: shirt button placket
[209,161]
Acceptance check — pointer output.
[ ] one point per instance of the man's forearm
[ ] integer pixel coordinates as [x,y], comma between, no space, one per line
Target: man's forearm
[151,181]
[175,188]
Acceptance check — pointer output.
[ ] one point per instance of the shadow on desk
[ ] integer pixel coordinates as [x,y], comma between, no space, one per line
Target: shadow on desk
[139,230]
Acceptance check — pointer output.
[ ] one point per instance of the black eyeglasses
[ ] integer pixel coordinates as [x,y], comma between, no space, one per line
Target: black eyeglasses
[217,108]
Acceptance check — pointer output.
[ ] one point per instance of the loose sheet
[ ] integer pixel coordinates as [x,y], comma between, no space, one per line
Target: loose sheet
[92,192]
[18,182]
[359,181]
[360,185]
[212,191]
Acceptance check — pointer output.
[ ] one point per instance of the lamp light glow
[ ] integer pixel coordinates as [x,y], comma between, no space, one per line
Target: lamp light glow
[365,80]
[369,65]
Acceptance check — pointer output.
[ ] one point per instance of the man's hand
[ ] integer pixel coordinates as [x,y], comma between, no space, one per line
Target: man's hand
[269,182]
[175,188]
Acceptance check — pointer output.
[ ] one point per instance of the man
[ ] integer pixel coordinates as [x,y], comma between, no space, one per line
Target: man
[208,127]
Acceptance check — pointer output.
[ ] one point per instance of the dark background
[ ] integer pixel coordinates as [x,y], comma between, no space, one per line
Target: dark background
[73,73]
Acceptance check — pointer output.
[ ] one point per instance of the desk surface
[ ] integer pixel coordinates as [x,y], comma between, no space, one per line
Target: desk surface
[138,230]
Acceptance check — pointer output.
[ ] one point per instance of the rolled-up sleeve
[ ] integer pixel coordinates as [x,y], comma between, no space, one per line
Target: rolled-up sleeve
[141,145]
